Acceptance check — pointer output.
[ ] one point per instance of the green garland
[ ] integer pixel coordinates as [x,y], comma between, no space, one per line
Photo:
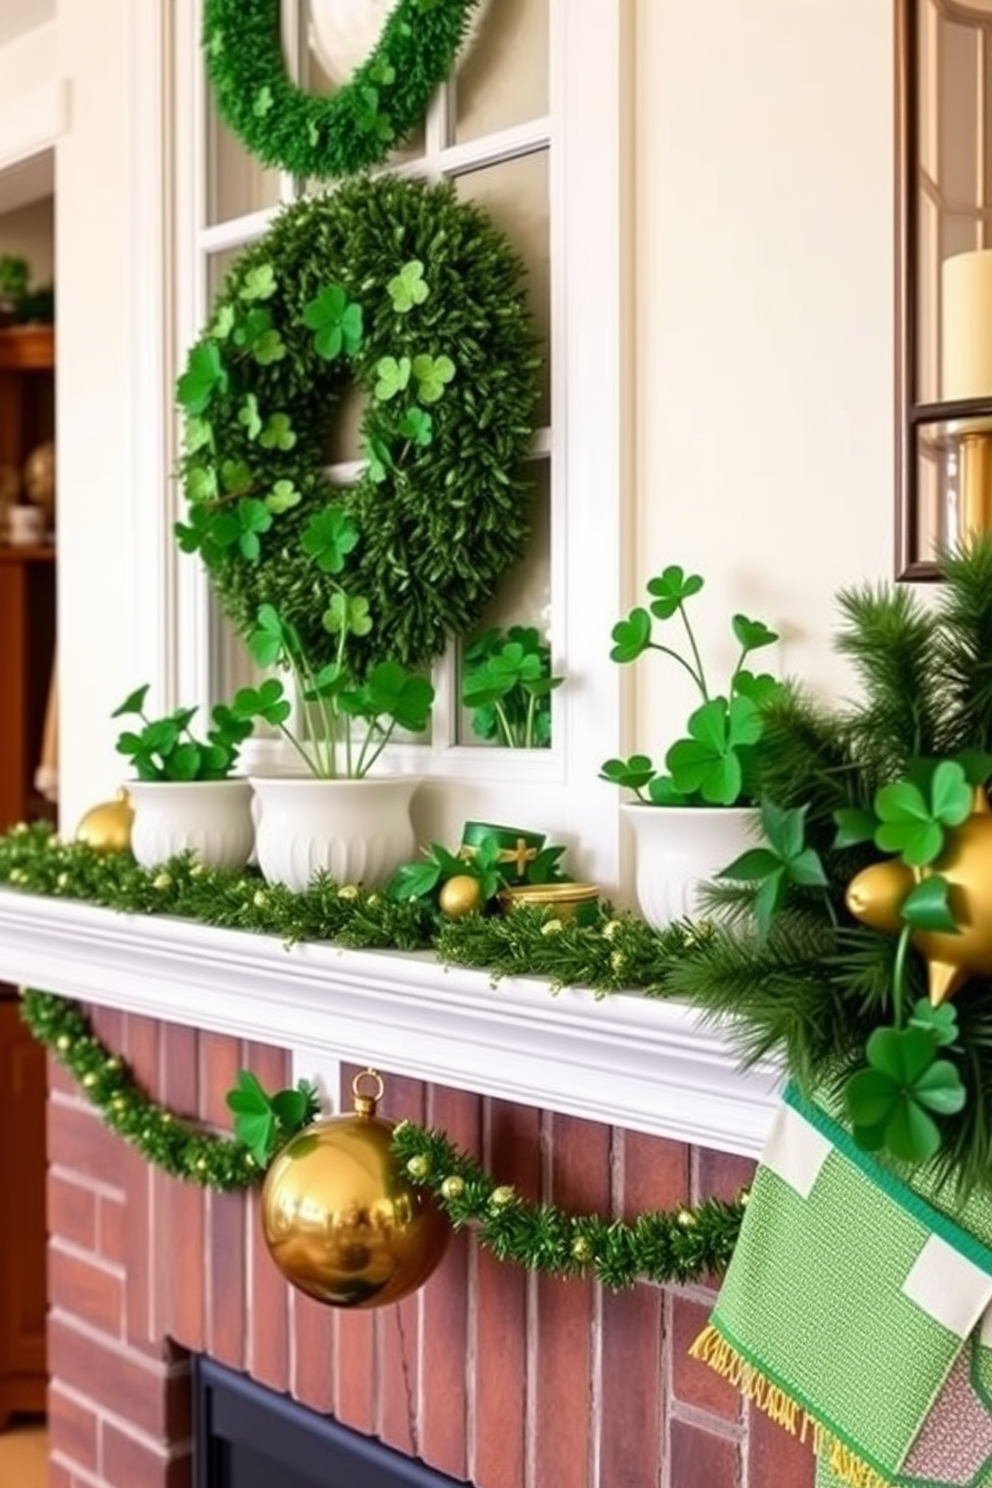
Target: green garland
[615,953]
[681,1246]
[797,975]
[356,126]
[414,297]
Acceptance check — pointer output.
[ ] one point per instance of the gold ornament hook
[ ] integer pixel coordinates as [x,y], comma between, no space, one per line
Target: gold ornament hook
[367,1100]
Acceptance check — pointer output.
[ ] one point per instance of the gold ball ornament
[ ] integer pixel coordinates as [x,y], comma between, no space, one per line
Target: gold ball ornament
[107,827]
[460,896]
[340,1217]
[875,894]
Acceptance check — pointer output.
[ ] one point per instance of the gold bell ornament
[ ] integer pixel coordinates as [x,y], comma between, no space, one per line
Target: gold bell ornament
[107,827]
[340,1217]
[875,894]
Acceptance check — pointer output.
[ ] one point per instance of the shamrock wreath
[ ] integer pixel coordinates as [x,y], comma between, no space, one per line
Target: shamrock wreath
[398,287]
[350,129]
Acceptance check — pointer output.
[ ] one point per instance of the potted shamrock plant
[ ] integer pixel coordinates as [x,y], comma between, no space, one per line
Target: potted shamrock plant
[185,797]
[708,782]
[507,686]
[337,816]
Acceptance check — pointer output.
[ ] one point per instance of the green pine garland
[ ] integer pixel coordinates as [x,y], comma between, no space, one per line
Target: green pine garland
[614,953]
[813,989]
[684,1245]
[356,126]
[414,297]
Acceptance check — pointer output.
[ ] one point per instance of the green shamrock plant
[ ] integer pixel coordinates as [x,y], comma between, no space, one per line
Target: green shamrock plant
[892,1102]
[393,377]
[336,322]
[166,748]
[329,537]
[507,686]
[716,762]
[265,1122]
[259,283]
[277,433]
[282,497]
[408,287]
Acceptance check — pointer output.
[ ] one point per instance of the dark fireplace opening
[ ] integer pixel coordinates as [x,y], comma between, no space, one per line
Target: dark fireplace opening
[249,1437]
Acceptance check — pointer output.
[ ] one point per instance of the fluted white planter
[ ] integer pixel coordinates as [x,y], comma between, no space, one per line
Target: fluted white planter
[357,831]
[211,818]
[678,848]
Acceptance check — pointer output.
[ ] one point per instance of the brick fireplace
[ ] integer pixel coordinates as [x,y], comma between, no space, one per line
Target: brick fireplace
[488,1375]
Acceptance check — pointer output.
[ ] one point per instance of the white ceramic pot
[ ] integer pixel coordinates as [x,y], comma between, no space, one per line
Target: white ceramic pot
[678,848]
[211,818]
[357,831]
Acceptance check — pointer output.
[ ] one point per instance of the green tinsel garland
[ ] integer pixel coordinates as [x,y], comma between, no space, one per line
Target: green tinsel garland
[356,126]
[681,1246]
[615,953]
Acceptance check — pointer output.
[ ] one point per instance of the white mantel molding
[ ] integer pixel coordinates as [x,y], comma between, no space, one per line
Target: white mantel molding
[624,1060]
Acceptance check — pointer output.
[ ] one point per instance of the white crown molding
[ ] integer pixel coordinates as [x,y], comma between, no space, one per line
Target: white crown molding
[33,122]
[624,1060]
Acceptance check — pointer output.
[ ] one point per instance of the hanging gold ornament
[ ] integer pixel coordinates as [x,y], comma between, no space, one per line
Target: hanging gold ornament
[107,827]
[340,1217]
[460,896]
[875,894]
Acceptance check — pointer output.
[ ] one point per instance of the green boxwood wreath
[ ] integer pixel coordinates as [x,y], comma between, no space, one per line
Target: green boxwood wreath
[356,126]
[416,298]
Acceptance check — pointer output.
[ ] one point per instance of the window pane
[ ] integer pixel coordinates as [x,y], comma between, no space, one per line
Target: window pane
[928,21]
[236,183]
[523,597]
[515,194]
[503,76]
[959,112]
[928,301]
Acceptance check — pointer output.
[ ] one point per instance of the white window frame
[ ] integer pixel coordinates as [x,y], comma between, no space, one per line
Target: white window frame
[591,444]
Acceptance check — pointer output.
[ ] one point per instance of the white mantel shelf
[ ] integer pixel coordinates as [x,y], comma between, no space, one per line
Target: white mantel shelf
[624,1060]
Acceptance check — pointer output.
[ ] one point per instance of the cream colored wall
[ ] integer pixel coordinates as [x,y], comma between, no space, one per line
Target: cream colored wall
[30,61]
[30,232]
[764,246]
[94,275]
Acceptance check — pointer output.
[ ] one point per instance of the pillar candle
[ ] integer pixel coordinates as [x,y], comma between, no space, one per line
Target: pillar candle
[966,326]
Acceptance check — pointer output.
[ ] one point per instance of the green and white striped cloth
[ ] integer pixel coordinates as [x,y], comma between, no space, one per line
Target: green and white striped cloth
[858,1314]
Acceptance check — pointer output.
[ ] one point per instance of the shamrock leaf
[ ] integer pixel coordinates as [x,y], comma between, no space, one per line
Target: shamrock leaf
[272,637]
[269,348]
[263,102]
[205,375]
[785,860]
[235,475]
[926,906]
[197,435]
[662,792]
[383,72]
[417,425]
[941,1021]
[414,881]
[752,634]
[400,695]
[432,375]
[707,761]
[268,701]
[393,375]
[890,1101]
[278,433]
[631,637]
[855,824]
[253,517]
[634,772]
[282,497]
[259,283]
[335,321]
[760,688]
[223,323]
[408,287]
[347,613]
[133,703]
[248,416]
[329,537]
[671,588]
[367,114]
[201,483]
[378,460]
[913,825]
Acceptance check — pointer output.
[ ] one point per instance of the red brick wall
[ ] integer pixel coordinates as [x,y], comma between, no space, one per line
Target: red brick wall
[505,1380]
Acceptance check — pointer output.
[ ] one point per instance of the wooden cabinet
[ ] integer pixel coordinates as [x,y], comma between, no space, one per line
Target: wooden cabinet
[27,652]
[22,1217]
